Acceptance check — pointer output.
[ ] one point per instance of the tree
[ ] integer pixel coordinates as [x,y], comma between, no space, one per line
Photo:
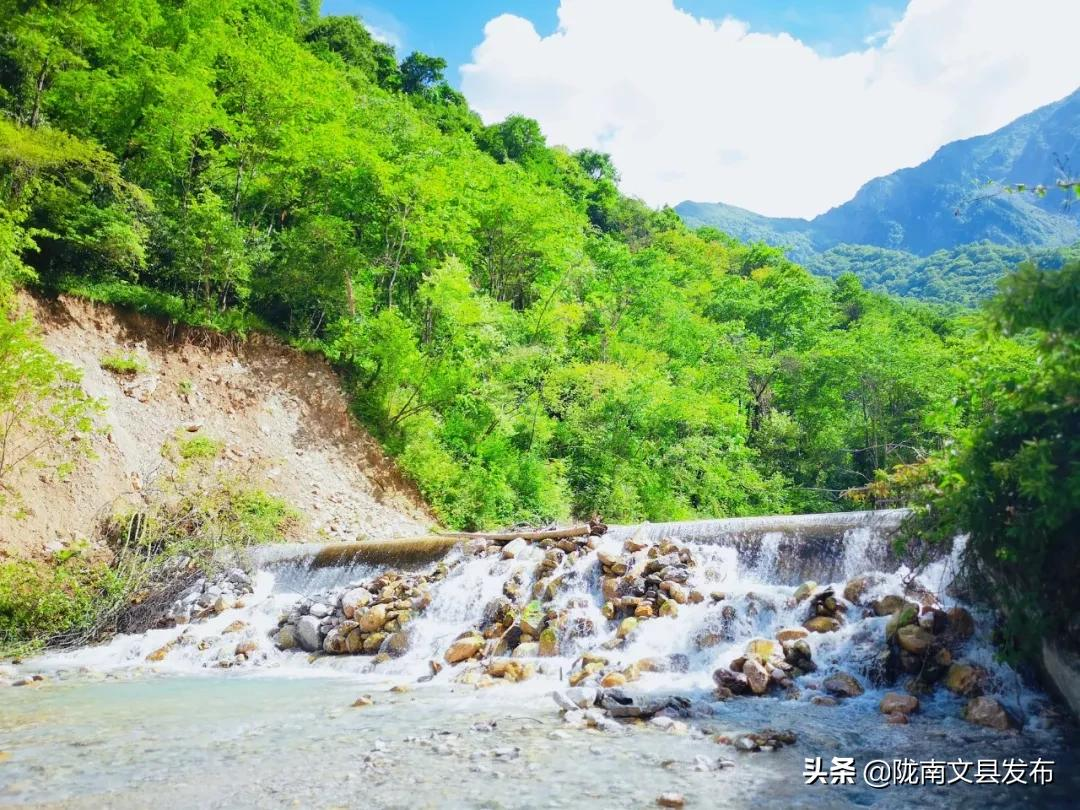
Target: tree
[419,72]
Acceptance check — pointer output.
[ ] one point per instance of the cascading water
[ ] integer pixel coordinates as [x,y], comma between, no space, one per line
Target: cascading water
[740,585]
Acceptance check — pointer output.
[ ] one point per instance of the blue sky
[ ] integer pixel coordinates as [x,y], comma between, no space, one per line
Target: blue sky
[784,107]
[452,29]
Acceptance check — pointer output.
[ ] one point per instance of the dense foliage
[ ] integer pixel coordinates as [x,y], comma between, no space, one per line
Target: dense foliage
[965,275]
[1012,480]
[528,342]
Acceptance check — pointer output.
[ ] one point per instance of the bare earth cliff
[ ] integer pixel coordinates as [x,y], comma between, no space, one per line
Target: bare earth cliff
[275,408]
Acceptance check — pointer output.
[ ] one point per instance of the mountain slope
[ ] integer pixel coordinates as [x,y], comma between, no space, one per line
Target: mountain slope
[942,204]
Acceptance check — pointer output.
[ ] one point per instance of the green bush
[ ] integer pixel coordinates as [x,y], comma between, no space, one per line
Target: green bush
[125,365]
[41,602]
[199,448]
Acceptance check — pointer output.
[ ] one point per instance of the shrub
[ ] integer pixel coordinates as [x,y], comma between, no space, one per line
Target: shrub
[124,365]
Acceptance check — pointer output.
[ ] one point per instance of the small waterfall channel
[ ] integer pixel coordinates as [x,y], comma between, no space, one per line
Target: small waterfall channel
[452,647]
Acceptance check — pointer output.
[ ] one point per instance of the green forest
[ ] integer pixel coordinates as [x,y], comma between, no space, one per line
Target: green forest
[528,343]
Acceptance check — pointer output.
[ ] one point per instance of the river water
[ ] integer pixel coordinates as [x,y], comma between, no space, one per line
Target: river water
[107,728]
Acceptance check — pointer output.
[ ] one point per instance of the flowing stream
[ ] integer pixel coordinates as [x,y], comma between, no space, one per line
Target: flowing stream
[113,726]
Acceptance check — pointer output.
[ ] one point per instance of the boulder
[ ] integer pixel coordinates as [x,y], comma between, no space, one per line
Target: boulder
[791,634]
[897,703]
[308,635]
[756,676]
[286,638]
[532,619]
[763,648]
[514,548]
[842,685]
[804,591]
[620,703]
[822,624]
[914,639]
[549,641]
[887,605]
[334,642]
[373,641]
[527,649]
[613,679]
[985,711]
[961,624]
[856,588]
[355,599]
[396,644]
[464,648]
[904,615]
[372,619]
[965,680]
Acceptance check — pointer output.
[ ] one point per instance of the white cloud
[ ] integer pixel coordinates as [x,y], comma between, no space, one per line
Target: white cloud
[709,110]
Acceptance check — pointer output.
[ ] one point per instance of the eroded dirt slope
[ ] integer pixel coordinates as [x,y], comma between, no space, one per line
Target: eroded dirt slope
[270,404]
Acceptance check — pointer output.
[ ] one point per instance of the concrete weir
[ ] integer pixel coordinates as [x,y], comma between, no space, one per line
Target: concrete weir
[793,547]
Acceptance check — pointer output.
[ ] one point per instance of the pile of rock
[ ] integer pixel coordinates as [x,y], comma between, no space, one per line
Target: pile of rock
[765,740]
[209,596]
[608,709]
[364,618]
[921,644]
[826,612]
[646,580]
[766,665]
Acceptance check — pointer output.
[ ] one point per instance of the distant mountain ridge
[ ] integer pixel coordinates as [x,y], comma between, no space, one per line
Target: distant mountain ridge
[943,204]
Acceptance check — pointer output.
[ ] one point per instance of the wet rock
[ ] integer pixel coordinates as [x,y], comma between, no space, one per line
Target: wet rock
[355,599]
[319,610]
[613,679]
[746,743]
[549,642]
[856,588]
[626,627]
[372,619]
[670,800]
[965,680]
[373,642]
[157,655]
[906,615]
[528,649]
[823,700]
[887,605]
[464,648]
[986,711]
[396,644]
[514,548]
[581,697]
[791,634]
[756,676]
[286,638]
[804,590]
[822,624]
[842,685]
[762,648]
[914,639]
[363,700]
[620,703]
[897,703]
[896,719]
[961,625]
[334,642]
[308,635]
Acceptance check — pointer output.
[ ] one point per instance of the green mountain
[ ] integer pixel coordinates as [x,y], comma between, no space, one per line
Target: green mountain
[952,208]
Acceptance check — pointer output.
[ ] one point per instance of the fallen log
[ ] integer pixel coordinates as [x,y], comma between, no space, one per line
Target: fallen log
[592,527]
